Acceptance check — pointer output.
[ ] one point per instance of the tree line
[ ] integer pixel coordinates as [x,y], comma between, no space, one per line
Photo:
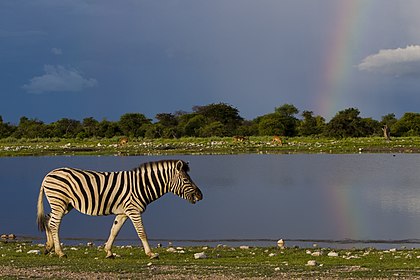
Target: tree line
[221,120]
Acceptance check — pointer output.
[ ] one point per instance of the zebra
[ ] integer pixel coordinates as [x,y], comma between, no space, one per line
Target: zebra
[124,194]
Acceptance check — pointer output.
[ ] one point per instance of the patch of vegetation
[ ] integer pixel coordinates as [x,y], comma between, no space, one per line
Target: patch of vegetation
[20,260]
[212,145]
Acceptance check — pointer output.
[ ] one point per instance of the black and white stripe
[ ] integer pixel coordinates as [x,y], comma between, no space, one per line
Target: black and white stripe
[124,193]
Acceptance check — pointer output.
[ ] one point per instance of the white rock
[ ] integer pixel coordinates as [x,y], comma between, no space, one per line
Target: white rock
[332,254]
[393,250]
[36,252]
[316,253]
[277,269]
[74,249]
[171,250]
[244,247]
[201,255]
[272,255]
[311,263]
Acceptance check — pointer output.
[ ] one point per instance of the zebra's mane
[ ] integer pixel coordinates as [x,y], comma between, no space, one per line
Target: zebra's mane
[185,166]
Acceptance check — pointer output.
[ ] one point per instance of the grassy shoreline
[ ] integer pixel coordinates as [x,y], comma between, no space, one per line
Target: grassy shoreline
[226,145]
[17,259]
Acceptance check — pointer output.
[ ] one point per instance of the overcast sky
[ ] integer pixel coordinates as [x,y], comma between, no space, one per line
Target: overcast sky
[101,59]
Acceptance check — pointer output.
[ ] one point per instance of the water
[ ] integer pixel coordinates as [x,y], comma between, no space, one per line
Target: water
[300,198]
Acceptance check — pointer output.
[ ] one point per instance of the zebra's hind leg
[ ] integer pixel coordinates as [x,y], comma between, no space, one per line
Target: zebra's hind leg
[54,225]
[49,245]
[138,225]
[116,226]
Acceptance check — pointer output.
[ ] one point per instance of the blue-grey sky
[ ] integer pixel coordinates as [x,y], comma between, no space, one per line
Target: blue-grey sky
[101,59]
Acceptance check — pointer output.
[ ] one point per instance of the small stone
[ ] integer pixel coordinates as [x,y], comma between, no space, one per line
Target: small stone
[201,255]
[74,249]
[316,253]
[393,250]
[171,250]
[36,252]
[149,264]
[272,255]
[244,247]
[311,263]
[332,254]
[277,269]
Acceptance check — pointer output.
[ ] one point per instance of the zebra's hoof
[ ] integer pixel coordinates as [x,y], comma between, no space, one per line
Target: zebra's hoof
[154,256]
[110,256]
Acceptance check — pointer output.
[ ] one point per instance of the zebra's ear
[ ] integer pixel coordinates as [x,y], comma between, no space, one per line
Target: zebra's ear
[179,165]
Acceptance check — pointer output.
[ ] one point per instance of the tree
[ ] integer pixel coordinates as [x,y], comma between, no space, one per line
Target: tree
[223,113]
[271,124]
[5,129]
[311,125]
[388,120]
[90,127]
[346,123]
[193,125]
[108,129]
[167,125]
[281,122]
[30,128]
[66,128]
[408,125]
[131,124]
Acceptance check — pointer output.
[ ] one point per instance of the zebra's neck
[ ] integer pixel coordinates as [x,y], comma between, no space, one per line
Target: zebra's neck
[152,181]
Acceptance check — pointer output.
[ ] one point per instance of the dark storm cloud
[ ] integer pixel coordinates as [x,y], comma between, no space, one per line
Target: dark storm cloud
[163,56]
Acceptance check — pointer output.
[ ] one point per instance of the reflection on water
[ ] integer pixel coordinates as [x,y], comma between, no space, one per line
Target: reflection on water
[361,197]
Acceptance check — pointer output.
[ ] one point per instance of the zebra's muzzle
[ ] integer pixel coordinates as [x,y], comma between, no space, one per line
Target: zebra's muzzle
[197,197]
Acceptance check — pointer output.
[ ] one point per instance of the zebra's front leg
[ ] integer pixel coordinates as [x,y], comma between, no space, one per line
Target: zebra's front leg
[116,226]
[138,225]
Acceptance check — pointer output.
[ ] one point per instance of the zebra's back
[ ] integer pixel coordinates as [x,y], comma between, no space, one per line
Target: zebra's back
[90,192]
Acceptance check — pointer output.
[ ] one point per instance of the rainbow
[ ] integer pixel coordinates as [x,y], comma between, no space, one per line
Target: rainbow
[337,67]
[349,220]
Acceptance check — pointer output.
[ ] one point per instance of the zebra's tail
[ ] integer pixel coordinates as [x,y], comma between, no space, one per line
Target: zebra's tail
[41,218]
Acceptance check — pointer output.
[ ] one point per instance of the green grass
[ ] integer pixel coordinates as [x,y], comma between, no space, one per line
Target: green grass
[215,145]
[232,262]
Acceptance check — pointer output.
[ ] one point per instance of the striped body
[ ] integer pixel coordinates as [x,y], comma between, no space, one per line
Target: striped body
[123,193]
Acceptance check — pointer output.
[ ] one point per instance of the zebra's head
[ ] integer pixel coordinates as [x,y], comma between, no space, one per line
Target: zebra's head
[182,185]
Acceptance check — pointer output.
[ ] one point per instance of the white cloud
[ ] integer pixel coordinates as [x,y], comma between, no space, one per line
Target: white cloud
[58,79]
[398,62]
[56,51]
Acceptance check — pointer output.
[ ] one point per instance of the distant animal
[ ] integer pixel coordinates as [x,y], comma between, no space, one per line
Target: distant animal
[237,138]
[277,140]
[124,194]
[123,141]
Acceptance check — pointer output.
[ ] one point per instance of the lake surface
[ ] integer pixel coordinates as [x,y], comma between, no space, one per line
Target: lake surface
[294,197]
